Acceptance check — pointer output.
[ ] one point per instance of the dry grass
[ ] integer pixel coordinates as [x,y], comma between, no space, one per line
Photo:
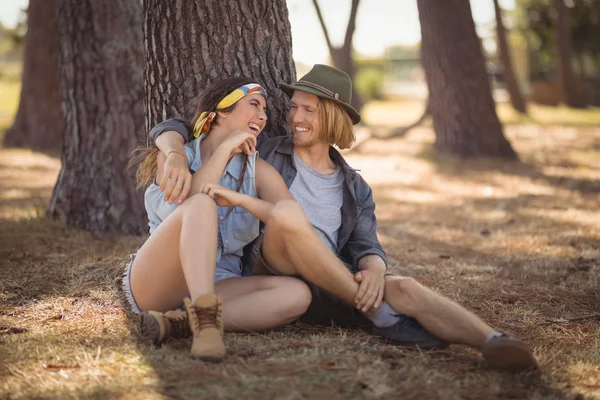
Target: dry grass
[517,243]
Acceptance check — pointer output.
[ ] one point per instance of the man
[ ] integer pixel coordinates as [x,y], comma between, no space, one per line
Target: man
[343,262]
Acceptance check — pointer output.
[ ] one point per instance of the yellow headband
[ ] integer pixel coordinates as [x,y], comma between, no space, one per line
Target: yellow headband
[204,120]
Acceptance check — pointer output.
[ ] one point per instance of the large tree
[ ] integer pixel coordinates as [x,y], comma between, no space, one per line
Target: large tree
[341,56]
[38,124]
[101,86]
[189,44]
[510,80]
[564,57]
[460,97]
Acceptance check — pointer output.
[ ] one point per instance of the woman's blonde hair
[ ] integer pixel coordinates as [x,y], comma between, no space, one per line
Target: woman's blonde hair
[335,123]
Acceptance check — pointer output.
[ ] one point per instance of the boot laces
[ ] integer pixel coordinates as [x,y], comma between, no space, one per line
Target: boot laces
[179,325]
[207,317]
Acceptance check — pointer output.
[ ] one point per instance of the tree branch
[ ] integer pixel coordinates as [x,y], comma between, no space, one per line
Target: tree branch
[322,21]
[351,25]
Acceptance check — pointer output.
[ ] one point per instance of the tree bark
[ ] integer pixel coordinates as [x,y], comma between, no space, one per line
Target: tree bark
[101,86]
[342,56]
[461,103]
[38,124]
[191,43]
[510,80]
[564,52]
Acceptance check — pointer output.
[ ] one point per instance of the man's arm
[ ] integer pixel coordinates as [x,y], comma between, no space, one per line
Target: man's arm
[366,254]
[173,172]
[363,240]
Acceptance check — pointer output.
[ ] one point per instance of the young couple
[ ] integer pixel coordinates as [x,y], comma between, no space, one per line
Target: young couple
[317,258]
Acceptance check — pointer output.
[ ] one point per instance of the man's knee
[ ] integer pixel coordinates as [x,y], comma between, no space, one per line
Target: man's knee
[407,291]
[287,217]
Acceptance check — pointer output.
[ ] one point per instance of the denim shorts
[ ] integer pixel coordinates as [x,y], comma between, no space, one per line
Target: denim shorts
[229,266]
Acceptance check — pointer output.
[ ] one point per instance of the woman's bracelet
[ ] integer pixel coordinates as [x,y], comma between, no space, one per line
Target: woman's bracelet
[176,152]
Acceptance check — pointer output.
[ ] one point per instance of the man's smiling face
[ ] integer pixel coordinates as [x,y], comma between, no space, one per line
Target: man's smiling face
[304,119]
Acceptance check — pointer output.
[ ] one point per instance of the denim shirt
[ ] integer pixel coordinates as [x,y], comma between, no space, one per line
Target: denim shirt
[358,233]
[236,229]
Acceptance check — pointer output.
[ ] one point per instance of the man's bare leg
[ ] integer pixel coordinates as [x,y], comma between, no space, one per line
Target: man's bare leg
[438,314]
[291,247]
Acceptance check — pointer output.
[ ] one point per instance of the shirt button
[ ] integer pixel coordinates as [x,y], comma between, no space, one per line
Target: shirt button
[221,218]
[226,241]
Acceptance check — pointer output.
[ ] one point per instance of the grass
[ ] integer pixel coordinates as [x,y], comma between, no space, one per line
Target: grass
[519,244]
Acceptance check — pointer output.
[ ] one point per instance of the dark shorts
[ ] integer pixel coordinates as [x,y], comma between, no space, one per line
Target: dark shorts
[324,309]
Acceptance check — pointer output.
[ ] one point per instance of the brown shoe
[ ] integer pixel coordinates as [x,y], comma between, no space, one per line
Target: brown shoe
[207,327]
[507,353]
[157,327]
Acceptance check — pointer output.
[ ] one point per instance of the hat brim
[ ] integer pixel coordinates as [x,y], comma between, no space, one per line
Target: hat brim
[290,89]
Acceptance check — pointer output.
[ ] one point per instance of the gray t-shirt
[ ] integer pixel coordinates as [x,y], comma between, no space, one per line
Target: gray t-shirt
[321,197]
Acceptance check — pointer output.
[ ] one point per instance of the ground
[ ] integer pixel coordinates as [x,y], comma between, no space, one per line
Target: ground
[518,243]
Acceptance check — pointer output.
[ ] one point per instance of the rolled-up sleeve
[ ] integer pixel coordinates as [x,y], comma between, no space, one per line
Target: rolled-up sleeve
[172,124]
[363,239]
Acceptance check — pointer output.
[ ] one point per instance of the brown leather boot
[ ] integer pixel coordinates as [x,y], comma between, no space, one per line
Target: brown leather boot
[507,353]
[207,327]
[156,327]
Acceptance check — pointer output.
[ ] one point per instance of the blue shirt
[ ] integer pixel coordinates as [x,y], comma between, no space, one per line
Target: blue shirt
[236,228]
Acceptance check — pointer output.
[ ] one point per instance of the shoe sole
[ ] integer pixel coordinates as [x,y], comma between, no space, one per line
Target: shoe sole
[508,355]
[437,346]
[149,329]
[213,360]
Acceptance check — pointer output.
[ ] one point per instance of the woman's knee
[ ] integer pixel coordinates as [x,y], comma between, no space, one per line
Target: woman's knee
[198,204]
[297,296]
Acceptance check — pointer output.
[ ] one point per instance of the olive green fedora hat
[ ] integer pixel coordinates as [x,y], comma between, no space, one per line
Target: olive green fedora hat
[329,83]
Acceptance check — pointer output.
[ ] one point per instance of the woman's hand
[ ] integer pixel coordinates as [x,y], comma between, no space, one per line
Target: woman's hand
[223,196]
[176,180]
[241,142]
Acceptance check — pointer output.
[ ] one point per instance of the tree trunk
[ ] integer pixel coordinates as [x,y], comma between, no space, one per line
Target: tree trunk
[191,43]
[342,59]
[462,107]
[39,124]
[512,85]
[101,86]
[564,52]
[342,56]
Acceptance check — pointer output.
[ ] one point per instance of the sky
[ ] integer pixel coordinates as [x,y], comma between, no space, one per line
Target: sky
[379,24]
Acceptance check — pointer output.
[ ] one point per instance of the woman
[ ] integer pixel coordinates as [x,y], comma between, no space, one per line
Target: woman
[194,248]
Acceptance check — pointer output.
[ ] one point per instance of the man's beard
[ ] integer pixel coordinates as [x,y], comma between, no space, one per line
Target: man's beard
[307,143]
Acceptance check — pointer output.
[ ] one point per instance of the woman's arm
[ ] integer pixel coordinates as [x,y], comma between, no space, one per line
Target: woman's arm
[270,187]
[269,184]
[211,170]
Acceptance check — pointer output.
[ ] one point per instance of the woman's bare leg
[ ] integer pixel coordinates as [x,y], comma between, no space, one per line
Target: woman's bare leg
[179,258]
[258,303]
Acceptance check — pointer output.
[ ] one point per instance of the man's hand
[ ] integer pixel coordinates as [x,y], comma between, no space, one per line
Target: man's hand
[371,287]
[241,142]
[223,196]
[176,180]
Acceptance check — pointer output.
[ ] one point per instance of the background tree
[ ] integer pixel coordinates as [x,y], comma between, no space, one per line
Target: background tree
[508,74]
[189,44]
[342,56]
[38,123]
[564,56]
[538,24]
[101,87]
[460,98]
